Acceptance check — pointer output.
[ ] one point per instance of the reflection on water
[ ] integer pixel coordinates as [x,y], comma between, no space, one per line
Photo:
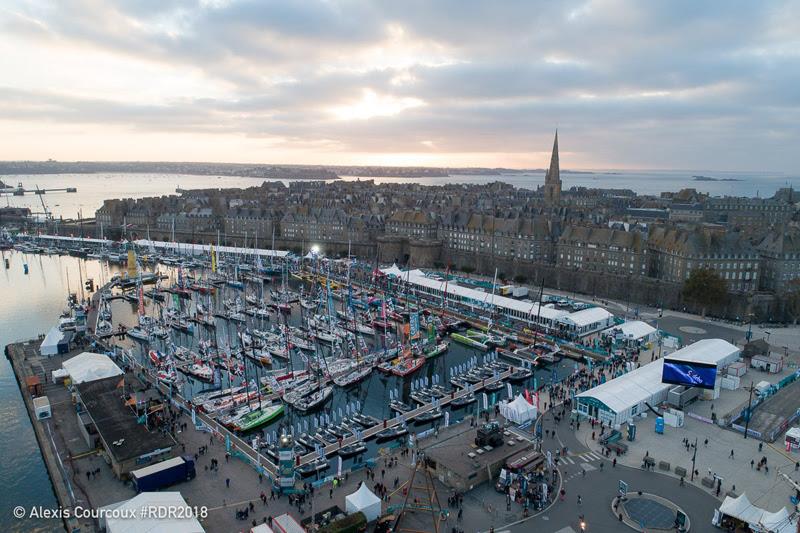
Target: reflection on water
[32,303]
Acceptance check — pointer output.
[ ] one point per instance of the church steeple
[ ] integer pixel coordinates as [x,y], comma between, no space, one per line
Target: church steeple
[552,180]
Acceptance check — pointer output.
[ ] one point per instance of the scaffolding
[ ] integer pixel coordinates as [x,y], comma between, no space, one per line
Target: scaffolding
[420,499]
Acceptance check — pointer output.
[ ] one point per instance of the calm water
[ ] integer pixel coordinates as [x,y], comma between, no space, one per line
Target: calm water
[31,307]
[94,188]
[640,181]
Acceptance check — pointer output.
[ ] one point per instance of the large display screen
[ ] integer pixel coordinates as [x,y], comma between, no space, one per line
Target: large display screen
[689,373]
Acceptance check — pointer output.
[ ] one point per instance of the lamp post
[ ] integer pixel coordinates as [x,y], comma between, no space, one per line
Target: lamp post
[694,458]
[749,410]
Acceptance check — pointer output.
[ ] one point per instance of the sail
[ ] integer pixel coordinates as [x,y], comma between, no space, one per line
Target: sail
[131,262]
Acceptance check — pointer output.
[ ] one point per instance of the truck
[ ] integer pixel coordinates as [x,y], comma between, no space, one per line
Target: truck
[489,434]
[163,474]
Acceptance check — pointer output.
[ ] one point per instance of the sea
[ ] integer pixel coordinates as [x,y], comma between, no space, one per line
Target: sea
[94,188]
[32,302]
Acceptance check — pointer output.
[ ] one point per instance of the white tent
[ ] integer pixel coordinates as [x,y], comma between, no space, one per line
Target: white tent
[51,341]
[779,522]
[118,518]
[90,366]
[365,501]
[634,330]
[519,411]
[758,519]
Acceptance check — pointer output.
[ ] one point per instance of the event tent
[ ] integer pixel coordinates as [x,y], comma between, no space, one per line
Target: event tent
[634,330]
[365,501]
[54,343]
[758,519]
[89,366]
[157,500]
[519,411]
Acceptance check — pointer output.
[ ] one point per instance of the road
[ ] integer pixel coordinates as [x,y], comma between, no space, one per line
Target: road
[599,486]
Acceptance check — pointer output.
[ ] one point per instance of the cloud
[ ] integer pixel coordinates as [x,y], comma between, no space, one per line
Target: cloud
[674,84]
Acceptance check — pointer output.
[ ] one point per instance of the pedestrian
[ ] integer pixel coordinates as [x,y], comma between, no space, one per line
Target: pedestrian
[705,443]
[613,463]
[580,501]
[228,482]
[752,462]
[731,456]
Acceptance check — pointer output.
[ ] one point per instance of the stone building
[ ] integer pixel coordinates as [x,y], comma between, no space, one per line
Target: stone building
[552,180]
[675,252]
[413,223]
[251,223]
[602,250]
[780,253]
[512,237]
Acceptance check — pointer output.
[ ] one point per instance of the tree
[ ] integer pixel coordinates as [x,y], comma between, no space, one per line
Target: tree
[705,288]
[467,269]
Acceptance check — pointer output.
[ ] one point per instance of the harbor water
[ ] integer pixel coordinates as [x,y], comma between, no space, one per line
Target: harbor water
[35,300]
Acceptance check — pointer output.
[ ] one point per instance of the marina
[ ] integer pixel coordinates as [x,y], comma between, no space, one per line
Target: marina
[344,362]
[172,360]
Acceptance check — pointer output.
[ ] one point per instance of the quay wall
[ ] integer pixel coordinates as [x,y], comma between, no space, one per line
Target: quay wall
[15,353]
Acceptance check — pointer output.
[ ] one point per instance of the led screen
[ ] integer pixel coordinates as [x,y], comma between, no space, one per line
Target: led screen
[689,373]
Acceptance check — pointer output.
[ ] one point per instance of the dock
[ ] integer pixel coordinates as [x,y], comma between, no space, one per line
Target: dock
[406,417]
[22,356]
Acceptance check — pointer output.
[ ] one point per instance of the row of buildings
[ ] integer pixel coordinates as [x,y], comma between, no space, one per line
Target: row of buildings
[753,243]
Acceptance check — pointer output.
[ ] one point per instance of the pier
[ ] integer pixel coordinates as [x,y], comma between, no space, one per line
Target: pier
[19,190]
[405,417]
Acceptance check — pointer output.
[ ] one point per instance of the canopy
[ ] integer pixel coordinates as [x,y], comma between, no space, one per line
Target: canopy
[365,501]
[90,366]
[757,518]
[51,341]
[519,411]
[635,329]
[161,500]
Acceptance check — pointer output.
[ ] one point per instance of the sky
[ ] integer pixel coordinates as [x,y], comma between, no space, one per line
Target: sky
[675,84]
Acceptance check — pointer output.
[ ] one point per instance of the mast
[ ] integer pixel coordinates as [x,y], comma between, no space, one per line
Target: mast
[538,312]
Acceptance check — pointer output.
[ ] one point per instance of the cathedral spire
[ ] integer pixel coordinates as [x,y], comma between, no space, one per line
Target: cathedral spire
[552,180]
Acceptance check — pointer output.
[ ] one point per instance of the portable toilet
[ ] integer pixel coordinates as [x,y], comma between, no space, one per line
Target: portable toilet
[660,425]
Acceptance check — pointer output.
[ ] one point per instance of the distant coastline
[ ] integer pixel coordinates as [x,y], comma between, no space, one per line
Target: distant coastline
[709,178]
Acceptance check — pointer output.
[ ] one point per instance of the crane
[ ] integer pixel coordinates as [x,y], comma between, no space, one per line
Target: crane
[47,214]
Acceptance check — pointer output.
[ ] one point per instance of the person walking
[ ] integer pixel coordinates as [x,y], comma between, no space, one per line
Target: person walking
[580,500]
[731,456]
[227,482]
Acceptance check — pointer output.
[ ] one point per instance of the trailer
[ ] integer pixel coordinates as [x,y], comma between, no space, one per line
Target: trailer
[163,474]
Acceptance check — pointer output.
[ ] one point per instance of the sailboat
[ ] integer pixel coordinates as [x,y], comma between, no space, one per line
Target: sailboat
[258,417]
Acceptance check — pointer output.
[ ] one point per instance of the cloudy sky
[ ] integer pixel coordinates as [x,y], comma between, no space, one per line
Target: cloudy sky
[677,84]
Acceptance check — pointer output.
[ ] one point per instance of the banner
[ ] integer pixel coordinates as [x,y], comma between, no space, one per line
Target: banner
[414,325]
